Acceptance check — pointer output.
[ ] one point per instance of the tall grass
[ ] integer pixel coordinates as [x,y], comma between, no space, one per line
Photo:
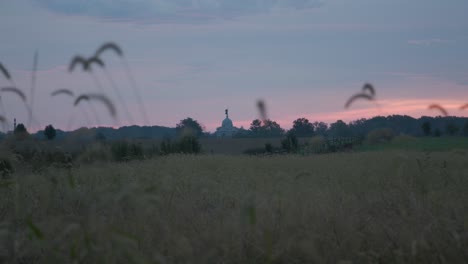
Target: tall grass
[110,46]
[395,207]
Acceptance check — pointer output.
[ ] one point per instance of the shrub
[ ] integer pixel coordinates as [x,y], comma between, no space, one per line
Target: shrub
[21,132]
[268,148]
[380,135]
[100,137]
[5,167]
[290,143]
[95,152]
[167,147]
[189,145]
[317,144]
[124,151]
[50,132]
[254,151]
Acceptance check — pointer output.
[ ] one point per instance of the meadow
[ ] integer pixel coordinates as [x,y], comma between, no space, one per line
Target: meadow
[83,201]
[383,206]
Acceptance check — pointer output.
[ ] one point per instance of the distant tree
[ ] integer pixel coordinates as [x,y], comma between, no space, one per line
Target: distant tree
[272,129]
[268,147]
[256,127]
[100,137]
[167,147]
[452,129]
[50,132]
[320,128]
[189,145]
[189,127]
[426,127]
[359,127]
[465,129]
[267,128]
[437,132]
[339,129]
[20,131]
[302,127]
[290,143]
[242,133]
[20,128]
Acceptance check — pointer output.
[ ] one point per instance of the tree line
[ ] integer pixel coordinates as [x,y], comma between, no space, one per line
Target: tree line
[301,127]
[398,124]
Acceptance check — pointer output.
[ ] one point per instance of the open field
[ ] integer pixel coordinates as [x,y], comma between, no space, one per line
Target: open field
[420,144]
[374,207]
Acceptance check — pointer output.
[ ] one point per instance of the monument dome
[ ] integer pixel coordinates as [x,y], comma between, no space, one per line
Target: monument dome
[227,122]
[227,128]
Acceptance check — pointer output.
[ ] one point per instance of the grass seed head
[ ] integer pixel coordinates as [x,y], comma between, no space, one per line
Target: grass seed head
[62,91]
[16,91]
[439,108]
[98,97]
[358,96]
[109,46]
[5,72]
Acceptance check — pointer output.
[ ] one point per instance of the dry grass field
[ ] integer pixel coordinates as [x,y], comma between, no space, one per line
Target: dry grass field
[374,207]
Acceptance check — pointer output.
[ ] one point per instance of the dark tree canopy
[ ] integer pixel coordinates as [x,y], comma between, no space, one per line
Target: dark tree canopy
[20,129]
[340,129]
[302,127]
[189,127]
[256,127]
[320,128]
[50,132]
[426,127]
[272,128]
[452,129]
[267,128]
[465,129]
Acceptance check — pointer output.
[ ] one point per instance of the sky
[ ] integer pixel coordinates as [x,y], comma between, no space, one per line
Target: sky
[195,58]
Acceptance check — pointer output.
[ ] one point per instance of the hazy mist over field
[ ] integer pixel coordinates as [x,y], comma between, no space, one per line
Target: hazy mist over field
[196,58]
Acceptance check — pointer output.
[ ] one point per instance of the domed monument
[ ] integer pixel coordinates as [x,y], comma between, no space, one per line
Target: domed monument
[227,129]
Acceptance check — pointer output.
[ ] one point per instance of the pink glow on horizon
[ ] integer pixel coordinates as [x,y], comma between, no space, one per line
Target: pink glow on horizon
[411,107]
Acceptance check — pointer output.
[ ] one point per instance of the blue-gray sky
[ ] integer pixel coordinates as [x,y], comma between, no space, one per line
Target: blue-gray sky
[197,57]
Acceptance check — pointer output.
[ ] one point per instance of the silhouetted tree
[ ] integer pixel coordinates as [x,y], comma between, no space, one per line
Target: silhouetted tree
[241,133]
[437,132]
[20,131]
[426,127]
[302,127]
[272,129]
[256,127]
[339,129]
[167,147]
[20,128]
[451,129]
[100,137]
[320,128]
[267,128]
[465,129]
[290,143]
[50,132]
[189,127]
[189,145]
[268,148]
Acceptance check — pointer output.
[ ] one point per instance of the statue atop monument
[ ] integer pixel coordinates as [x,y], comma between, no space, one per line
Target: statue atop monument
[227,128]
